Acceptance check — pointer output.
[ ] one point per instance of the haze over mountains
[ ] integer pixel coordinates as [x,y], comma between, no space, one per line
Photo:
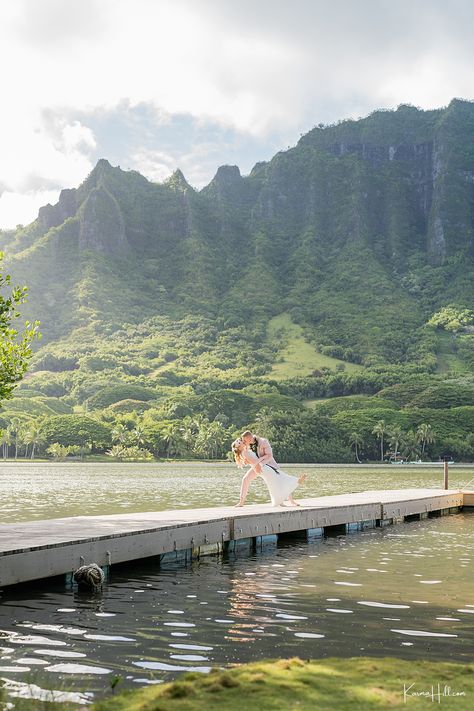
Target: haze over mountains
[360,221]
[331,257]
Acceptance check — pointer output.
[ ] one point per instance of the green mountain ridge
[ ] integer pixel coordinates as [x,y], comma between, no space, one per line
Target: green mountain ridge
[357,236]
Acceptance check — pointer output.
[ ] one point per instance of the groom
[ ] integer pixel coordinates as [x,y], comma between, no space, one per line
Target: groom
[261,447]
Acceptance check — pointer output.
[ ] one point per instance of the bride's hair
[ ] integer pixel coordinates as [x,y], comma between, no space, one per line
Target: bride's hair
[237,452]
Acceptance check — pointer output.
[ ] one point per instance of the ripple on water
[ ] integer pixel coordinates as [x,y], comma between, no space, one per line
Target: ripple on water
[352,585]
[64,629]
[430,582]
[189,657]
[195,647]
[161,666]
[369,603]
[37,639]
[77,669]
[309,635]
[108,638]
[62,653]
[18,689]
[422,633]
[340,609]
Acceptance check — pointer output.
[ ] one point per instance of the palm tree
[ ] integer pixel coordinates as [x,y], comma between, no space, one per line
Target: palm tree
[173,440]
[425,436]
[380,430]
[120,433]
[356,441]
[6,440]
[138,435]
[411,446]
[37,438]
[396,437]
[26,439]
[15,430]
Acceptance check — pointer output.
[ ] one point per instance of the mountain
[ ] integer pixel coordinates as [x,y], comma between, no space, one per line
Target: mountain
[333,255]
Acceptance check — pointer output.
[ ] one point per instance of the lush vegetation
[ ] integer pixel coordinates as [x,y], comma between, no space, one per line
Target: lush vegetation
[329,291]
[15,346]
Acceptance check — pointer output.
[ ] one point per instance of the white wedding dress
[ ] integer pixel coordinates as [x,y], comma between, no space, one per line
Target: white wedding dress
[280,485]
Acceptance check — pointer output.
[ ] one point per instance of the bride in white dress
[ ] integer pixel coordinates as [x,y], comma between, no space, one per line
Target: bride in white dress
[280,485]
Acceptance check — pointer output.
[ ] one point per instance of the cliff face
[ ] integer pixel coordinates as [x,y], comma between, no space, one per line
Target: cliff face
[382,198]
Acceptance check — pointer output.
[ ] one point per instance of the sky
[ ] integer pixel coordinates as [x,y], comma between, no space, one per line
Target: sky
[153,85]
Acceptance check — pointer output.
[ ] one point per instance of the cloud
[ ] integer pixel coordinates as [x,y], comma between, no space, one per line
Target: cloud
[113,78]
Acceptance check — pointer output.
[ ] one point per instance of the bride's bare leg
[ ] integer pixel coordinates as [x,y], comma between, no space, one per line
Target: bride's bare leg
[292,501]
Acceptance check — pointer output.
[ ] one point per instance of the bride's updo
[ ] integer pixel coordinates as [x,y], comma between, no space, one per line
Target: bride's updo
[237,445]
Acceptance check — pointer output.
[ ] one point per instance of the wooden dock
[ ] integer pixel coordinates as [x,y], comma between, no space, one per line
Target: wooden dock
[43,549]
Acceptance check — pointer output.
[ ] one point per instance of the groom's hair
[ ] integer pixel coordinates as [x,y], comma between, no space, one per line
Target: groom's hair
[245,434]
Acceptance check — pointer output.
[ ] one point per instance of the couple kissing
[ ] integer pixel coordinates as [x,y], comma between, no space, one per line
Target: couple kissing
[256,452]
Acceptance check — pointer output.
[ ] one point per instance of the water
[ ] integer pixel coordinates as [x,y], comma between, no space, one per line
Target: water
[406,590]
[31,491]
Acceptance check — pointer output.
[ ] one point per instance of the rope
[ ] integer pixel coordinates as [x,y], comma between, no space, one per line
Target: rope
[91,576]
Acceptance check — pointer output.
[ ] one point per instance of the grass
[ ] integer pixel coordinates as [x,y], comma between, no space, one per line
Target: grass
[332,684]
[324,684]
[298,357]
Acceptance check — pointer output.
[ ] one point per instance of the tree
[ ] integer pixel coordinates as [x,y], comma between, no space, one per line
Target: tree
[380,430]
[356,442]
[396,438]
[6,440]
[137,435]
[410,446]
[58,451]
[425,436]
[35,437]
[173,440]
[15,351]
[117,452]
[120,434]
[15,433]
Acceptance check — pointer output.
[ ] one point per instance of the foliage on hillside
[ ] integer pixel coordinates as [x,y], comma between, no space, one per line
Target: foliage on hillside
[340,273]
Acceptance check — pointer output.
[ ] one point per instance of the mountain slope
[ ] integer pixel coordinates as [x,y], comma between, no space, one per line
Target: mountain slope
[361,232]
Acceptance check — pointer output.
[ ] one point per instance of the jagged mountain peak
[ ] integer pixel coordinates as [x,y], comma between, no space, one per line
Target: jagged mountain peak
[177,181]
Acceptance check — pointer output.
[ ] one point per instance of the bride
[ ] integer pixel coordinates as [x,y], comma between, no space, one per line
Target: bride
[280,485]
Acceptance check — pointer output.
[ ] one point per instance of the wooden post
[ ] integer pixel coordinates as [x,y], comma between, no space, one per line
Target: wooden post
[446,467]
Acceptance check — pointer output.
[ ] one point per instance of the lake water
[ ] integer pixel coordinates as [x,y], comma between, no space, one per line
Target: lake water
[405,590]
[41,491]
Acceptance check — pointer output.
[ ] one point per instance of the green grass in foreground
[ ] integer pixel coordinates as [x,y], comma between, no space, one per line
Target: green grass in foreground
[333,684]
[298,357]
[325,684]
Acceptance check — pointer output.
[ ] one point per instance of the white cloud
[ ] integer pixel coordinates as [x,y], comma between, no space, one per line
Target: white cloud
[14,206]
[266,68]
